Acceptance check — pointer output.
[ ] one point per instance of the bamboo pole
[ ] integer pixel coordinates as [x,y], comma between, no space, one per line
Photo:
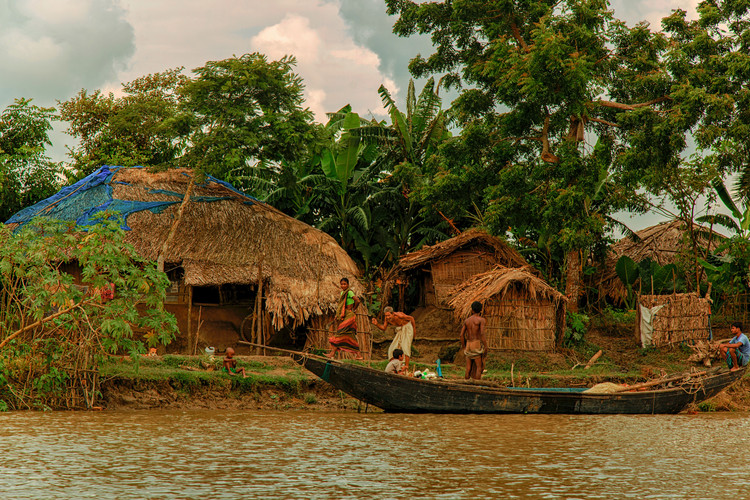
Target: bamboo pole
[660,381]
[173,229]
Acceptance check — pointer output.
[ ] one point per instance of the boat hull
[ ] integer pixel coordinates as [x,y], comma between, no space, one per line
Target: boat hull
[402,394]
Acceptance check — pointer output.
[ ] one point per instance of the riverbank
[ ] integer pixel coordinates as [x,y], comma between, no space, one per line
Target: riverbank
[277,383]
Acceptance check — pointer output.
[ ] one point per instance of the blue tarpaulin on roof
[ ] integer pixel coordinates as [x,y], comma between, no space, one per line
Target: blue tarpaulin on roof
[80,202]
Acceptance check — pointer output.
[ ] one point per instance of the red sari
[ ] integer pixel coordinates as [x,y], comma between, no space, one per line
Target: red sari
[345,337]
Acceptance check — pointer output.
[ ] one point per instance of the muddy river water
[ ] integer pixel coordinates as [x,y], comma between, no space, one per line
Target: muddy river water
[251,454]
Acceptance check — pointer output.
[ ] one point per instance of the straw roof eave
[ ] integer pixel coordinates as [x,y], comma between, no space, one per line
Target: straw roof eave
[472,237]
[496,283]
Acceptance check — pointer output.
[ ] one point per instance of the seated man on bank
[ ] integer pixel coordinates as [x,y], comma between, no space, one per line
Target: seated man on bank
[396,364]
[737,351]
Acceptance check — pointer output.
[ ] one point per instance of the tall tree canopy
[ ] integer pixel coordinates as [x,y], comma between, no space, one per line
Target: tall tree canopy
[558,91]
[244,110]
[232,114]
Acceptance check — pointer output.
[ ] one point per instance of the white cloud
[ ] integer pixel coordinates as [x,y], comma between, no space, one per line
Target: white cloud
[50,49]
[335,69]
[293,35]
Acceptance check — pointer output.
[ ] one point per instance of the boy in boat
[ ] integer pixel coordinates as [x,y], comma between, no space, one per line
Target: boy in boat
[474,343]
[737,351]
[230,364]
[396,364]
[405,328]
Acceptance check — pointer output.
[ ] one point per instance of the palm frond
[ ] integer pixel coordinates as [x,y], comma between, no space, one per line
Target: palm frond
[427,108]
[726,197]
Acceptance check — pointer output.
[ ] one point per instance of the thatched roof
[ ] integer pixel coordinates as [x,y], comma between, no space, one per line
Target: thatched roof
[660,243]
[497,283]
[223,236]
[473,237]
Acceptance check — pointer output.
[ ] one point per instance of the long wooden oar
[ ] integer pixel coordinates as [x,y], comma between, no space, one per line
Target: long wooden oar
[660,381]
[288,351]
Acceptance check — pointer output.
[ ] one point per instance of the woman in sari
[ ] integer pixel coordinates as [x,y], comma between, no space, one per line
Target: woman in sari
[345,338]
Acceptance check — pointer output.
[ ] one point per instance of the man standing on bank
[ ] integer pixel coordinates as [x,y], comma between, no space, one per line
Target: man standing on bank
[474,342]
[737,351]
[405,329]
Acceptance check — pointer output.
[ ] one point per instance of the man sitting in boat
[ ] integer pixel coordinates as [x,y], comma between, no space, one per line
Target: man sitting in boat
[405,329]
[396,364]
[737,351]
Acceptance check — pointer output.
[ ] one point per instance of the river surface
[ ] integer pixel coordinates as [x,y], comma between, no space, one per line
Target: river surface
[253,454]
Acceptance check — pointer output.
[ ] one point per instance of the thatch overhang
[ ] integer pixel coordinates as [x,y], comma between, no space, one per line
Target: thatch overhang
[503,252]
[661,243]
[497,283]
[222,237]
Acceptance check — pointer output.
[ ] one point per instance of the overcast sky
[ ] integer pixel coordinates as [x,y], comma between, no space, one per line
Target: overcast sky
[50,49]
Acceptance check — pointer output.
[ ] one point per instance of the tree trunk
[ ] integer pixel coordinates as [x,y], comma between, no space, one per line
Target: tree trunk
[573,279]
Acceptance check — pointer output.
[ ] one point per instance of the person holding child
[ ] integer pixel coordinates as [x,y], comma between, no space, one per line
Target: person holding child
[737,350]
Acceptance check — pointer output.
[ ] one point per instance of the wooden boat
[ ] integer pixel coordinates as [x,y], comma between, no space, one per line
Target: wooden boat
[403,394]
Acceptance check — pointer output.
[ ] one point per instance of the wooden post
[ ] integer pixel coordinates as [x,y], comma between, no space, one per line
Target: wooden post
[190,317]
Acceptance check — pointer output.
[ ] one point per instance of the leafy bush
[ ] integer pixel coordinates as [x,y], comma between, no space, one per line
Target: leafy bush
[56,330]
[575,328]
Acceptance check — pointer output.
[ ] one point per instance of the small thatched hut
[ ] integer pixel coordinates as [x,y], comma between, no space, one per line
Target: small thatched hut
[669,319]
[662,243]
[440,267]
[522,311]
[239,268]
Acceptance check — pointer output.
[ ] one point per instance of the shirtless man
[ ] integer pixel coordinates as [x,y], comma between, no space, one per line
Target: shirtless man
[474,343]
[405,329]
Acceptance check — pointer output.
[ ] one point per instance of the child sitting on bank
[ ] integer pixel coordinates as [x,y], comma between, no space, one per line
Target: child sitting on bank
[230,364]
[396,364]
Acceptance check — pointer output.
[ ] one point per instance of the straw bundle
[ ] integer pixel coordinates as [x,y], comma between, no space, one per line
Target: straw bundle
[522,311]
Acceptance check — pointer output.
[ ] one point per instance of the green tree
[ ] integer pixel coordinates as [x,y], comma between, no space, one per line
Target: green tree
[142,127]
[346,198]
[542,74]
[244,110]
[54,331]
[27,174]
[406,146]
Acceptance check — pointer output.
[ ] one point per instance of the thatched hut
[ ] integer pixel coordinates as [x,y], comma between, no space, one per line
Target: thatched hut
[440,267]
[522,311]
[662,243]
[239,268]
[670,319]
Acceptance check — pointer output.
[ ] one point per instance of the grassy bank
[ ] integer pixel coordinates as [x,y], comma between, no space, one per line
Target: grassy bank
[277,383]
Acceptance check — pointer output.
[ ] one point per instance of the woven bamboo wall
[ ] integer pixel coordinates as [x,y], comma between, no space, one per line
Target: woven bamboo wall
[684,317]
[517,323]
[457,268]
